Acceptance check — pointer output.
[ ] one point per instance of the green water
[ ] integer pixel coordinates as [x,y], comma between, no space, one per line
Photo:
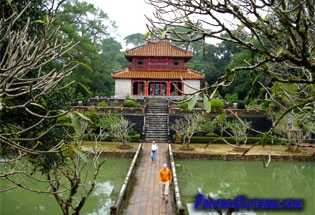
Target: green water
[227,179]
[109,182]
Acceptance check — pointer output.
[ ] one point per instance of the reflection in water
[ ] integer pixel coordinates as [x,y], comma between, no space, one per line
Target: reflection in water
[109,182]
[227,179]
[102,191]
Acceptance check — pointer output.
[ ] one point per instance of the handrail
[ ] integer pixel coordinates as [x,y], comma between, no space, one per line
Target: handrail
[114,209]
[168,120]
[144,118]
[179,207]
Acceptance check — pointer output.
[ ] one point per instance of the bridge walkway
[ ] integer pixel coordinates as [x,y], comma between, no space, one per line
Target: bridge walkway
[146,194]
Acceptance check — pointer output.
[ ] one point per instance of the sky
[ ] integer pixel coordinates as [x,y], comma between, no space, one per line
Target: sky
[129,15]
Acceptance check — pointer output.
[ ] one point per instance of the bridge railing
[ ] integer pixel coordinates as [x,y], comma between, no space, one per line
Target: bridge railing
[177,197]
[115,208]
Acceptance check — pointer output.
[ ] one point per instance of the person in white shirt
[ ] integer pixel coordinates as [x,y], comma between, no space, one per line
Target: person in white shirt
[154,147]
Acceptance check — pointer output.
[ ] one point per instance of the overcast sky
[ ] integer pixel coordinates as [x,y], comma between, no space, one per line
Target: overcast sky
[128,15]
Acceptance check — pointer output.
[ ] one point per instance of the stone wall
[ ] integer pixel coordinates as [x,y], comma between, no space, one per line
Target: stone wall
[138,120]
[122,87]
[118,154]
[260,120]
[190,86]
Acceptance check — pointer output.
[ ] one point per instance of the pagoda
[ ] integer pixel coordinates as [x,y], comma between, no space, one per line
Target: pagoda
[157,70]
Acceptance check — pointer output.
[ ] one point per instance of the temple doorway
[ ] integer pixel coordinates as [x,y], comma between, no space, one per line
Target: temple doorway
[157,88]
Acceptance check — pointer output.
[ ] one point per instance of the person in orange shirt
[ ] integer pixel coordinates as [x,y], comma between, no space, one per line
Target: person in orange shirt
[165,177]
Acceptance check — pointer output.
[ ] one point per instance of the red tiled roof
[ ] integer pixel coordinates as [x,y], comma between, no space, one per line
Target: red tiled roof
[127,74]
[158,49]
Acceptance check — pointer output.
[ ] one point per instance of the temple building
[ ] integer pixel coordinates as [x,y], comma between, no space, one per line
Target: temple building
[157,70]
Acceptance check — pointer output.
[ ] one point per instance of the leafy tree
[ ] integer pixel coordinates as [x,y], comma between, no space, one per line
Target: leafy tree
[97,52]
[37,133]
[135,40]
[110,59]
[280,41]
[185,127]
[117,126]
[206,124]
[26,84]
[238,130]
[36,10]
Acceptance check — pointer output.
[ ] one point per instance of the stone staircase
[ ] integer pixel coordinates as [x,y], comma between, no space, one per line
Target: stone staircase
[156,126]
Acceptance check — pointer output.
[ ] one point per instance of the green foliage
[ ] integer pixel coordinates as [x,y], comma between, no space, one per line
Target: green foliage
[36,11]
[94,117]
[206,103]
[206,124]
[134,138]
[131,103]
[183,105]
[231,98]
[99,54]
[240,105]
[220,118]
[264,105]
[192,102]
[135,39]
[101,104]
[106,120]
[219,140]
[217,104]
[121,130]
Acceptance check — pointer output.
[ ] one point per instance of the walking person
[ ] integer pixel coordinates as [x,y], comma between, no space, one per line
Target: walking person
[154,147]
[165,177]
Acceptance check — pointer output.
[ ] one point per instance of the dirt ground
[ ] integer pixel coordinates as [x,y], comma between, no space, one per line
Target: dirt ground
[226,149]
[303,149]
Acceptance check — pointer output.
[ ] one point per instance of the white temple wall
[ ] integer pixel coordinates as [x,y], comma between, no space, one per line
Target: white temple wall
[122,88]
[190,86]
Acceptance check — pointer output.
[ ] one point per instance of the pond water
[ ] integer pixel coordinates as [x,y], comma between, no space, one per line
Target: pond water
[228,179]
[109,182]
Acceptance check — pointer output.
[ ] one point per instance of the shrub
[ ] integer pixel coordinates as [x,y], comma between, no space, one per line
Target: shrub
[101,104]
[241,105]
[212,135]
[216,104]
[129,103]
[183,105]
[134,138]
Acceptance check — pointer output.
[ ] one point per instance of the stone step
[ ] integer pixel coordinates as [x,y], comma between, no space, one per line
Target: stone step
[148,134]
[156,121]
[156,124]
[159,114]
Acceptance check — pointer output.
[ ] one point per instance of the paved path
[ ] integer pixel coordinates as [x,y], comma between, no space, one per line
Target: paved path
[146,196]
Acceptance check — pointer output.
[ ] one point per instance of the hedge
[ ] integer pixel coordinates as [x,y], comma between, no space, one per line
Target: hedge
[219,140]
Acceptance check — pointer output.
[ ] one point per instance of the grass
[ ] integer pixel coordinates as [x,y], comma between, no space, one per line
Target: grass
[226,149]
[210,149]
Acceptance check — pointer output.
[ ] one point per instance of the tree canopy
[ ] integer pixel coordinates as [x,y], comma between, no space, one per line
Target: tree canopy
[276,40]
[39,132]
[98,53]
